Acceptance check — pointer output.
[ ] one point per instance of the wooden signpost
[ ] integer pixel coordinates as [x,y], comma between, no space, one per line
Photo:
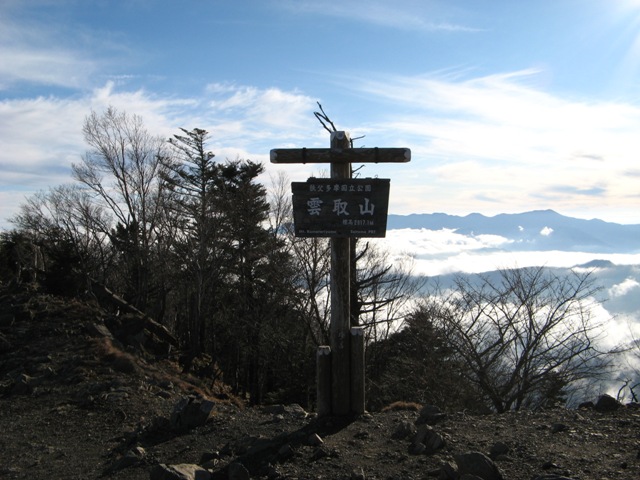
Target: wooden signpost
[341,208]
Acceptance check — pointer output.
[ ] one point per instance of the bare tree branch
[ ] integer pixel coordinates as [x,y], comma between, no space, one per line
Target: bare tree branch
[324,119]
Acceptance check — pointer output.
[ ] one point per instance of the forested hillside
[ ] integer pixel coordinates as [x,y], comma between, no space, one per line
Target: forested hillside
[197,244]
[199,247]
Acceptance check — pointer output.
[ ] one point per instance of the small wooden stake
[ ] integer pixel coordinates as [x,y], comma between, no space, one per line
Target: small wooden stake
[357,371]
[323,380]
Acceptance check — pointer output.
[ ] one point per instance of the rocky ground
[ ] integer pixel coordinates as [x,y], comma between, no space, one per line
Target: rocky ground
[85,394]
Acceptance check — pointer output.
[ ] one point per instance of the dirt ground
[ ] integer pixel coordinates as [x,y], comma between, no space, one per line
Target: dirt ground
[75,405]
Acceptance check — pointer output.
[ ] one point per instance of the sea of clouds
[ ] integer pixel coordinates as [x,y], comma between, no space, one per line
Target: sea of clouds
[440,254]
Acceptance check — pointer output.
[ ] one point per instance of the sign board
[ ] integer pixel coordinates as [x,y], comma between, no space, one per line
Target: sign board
[345,207]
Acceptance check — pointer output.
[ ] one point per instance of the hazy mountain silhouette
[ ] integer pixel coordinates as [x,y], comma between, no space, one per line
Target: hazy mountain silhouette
[535,230]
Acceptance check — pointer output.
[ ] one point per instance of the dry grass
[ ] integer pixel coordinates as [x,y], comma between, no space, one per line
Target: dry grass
[120,361]
[395,406]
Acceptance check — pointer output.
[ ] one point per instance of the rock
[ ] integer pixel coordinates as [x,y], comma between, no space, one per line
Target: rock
[285,452]
[430,415]
[23,385]
[191,412]
[358,474]
[319,453]
[280,411]
[448,471]
[428,437]
[237,471]
[558,427]
[606,403]
[99,330]
[132,457]
[551,476]
[314,440]
[273,409]
[296,411]
[498,449]
[417,448]
[184,471]
[404,430]
[209,456]
[475,463]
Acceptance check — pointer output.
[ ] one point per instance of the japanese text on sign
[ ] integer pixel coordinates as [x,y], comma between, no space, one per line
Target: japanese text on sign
[344,208]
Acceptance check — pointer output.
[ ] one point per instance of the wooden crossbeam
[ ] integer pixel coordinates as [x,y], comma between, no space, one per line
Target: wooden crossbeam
[340,155]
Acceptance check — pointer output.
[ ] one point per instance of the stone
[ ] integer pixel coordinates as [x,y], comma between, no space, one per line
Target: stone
[430,415]
[99,330]
[23,385]
[314,440]
[417,448]
[606,403]
[428,437]
[404,430]
[448,471]
[551,476]
[285,452]
[191,412]
[237,471]
[183,471]
[134,456]
[498,449]
[478,464]
[358,474]
[296,411]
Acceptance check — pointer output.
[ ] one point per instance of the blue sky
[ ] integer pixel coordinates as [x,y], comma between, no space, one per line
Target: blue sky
[507,106]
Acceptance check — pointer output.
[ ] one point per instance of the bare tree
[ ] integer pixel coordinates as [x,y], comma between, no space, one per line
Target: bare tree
[280,208]
[384,293]
[124,170]
[66,214]
[523,337]
[312,259]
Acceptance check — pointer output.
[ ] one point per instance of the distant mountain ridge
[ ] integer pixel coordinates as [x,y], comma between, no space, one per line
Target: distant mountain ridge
[535,230]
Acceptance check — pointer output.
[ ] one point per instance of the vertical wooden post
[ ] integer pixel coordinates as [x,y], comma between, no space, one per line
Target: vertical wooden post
[340,301]
[323,380]
[357,370]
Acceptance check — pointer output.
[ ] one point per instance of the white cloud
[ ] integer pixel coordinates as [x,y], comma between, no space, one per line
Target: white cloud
[401,14]
[41,137]
[501,143]
[624,288]
[259,110]
[445,251]
[40,53]
[546,231]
